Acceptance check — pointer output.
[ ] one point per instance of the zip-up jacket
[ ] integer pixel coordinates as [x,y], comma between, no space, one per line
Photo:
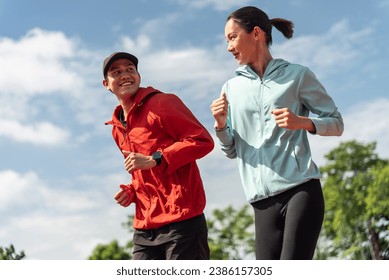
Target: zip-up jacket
[172,191]
[273,159]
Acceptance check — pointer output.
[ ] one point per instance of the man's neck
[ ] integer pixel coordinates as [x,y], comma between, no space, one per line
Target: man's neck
[126,105]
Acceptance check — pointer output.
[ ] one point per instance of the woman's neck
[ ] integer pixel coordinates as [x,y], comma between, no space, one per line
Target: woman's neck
[260,64]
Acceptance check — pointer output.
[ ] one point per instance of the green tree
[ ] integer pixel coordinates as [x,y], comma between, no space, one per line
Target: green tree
[10,253]
[112,251]
[231,233]
[356,224]
[377,214]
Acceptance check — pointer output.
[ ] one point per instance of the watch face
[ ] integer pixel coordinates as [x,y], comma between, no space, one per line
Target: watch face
[157,155]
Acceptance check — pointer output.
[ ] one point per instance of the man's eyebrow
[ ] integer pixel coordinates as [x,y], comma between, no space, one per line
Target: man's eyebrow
[113,67]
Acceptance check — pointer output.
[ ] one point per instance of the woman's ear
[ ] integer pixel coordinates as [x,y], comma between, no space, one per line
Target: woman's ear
[258,32]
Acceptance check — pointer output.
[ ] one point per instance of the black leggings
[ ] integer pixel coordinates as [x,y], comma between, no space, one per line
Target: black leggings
[288,225]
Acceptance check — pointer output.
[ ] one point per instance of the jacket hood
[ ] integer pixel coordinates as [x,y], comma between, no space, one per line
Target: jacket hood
[143,93]
[274,66]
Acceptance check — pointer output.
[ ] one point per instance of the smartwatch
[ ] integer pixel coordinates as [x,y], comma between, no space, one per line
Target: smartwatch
[157,156]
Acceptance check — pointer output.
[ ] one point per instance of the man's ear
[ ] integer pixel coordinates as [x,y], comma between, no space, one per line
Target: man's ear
[106,85]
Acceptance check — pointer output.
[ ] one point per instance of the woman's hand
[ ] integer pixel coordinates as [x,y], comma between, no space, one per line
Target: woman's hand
[287,119]
[219,109]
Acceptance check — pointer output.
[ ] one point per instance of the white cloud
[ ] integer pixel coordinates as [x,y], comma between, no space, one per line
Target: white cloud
[368,122]
[35,64]
[15,188]
[365,123]
[138,46]
[326,53]
[55,222]
[204,65]
[42,133]
[194,73]
[43,75]
[73,236]
[221,180]
[28,190]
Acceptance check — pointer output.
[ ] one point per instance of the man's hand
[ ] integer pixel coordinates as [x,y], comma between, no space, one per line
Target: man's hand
[125,196]
[135,161]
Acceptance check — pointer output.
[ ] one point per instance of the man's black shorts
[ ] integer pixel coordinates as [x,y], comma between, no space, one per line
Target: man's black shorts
[185,240]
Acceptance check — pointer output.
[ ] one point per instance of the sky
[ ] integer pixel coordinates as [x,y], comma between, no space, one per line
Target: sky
[59,167]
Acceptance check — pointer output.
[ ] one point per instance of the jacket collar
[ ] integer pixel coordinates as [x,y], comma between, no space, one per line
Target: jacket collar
[273,67]
[140,96]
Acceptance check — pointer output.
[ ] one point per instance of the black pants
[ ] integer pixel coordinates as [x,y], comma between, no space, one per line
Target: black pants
[287,226]
[186,240]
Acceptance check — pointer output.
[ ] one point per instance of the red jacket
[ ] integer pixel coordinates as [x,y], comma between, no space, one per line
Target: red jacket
[174,190]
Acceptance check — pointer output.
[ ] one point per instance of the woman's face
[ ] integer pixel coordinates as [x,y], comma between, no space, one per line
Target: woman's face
[241,44]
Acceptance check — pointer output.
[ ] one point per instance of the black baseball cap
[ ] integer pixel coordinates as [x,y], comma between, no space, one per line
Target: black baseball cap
[117,55]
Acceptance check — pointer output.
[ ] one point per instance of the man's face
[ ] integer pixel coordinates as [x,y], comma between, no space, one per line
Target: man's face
[122,78]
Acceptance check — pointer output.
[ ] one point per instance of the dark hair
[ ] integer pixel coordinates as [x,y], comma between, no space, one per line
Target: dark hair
[249,17]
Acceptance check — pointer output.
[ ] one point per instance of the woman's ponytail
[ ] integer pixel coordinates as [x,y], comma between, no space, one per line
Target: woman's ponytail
[284,26]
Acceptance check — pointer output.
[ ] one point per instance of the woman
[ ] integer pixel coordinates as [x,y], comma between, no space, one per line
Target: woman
[262,119]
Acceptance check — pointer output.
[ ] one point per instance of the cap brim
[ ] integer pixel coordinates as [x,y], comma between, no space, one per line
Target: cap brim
[118,55]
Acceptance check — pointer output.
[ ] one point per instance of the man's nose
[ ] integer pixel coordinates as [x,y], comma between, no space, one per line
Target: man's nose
[124,75]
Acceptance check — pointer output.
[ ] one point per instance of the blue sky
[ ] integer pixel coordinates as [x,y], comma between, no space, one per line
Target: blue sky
[59,167]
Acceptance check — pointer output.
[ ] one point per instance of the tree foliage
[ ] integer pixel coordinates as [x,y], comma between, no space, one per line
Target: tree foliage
[356,192]
[10,253]
[111,251]
[231,233]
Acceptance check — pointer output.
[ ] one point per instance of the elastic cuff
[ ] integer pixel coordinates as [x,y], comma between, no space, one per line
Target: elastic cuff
[220,129]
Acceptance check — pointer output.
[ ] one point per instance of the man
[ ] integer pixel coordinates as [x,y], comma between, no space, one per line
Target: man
[161,140]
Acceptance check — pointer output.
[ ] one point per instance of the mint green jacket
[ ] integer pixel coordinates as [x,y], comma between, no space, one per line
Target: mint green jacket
[272,159]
